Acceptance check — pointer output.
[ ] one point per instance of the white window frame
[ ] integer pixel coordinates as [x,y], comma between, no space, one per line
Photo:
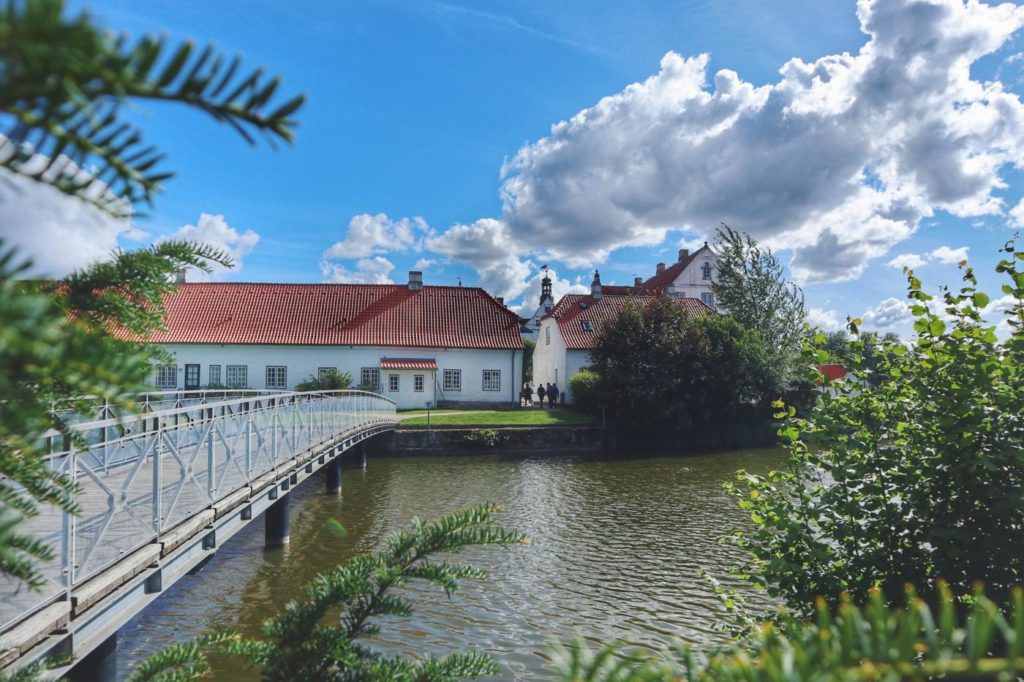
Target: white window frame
[708,298]
[370,376]
[394,383]
[277,376]
[587,325]
[491,380]
[453,380]
[418,383]
[705,271]
[236,376]
[166,376]
[321,371]
[214,375]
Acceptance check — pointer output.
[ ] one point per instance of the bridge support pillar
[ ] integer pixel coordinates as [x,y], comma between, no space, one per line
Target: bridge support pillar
[100,665]
[276,528]
[334,476]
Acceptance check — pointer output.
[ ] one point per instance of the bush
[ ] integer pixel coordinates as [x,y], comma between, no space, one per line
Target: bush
[330,380]
[912,479]
[586,391]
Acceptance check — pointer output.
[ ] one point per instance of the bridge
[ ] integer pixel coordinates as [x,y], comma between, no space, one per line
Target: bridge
[159,490]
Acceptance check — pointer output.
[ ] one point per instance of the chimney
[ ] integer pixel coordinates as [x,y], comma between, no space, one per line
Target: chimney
[415,280]
[500,299]
[595,286]
[683,254]
[179,276]
[638,281]
[661,268]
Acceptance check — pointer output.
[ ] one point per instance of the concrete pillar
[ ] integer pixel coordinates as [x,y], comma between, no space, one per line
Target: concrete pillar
[334,476]
[99,665]
[276,524]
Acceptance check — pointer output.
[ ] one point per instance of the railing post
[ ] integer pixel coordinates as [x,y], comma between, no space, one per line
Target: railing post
[70,522]
[275,423]
[211,462]
[248,447]
[157,488]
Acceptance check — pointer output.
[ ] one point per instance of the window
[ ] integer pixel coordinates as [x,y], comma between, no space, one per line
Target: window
[547,336]
[277,376]
[417,383]
[587,326]
[708,298]
[393,383]
[453,380]
[705,271]
[369,377]
[322,372]
[214,375]
[166,376]
[492,379]
[238,376]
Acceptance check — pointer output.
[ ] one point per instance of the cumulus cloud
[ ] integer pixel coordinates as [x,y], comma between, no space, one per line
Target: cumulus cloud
[907,260]
[839,160]
[888,313]
[214,230]
[1016,214]
[375,270]
[944,254]
[376,234]
[487,246]
[824,319]
[58,232]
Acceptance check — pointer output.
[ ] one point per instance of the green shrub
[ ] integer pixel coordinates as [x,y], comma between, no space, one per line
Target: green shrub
[329,380]
[586,390]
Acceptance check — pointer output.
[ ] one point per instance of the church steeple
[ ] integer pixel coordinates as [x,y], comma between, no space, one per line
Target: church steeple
[545,288]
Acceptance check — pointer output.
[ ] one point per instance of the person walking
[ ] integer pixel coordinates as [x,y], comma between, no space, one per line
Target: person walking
[553,395]
[529,394]
[540,394]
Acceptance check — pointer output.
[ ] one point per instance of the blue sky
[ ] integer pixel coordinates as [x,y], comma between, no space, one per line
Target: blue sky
[427,139]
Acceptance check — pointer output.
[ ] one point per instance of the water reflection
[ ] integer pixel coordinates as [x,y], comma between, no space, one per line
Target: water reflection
[615,548]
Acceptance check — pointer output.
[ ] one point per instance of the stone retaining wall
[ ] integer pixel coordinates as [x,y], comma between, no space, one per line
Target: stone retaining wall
[482,439]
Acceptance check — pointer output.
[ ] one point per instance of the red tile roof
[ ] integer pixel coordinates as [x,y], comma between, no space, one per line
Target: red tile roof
[338,314]
[573,309]
[408,363]
[662,281]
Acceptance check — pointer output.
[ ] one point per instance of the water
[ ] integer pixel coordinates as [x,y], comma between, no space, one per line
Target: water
[615,548]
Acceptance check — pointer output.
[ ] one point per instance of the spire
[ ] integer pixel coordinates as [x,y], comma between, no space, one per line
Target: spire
[545,288]
[595,286]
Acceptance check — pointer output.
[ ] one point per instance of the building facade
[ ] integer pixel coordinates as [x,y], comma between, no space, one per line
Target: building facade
[416,344]
[691,276]
[531,327]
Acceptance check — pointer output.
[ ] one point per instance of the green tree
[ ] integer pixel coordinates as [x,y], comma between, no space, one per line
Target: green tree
[528,347]
[667,378]
[330,380]
[911,480]
[63,86]
[751,286]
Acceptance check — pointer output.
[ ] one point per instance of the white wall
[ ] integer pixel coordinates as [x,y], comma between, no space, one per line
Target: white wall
[549,359]
[690,283]
[304,361]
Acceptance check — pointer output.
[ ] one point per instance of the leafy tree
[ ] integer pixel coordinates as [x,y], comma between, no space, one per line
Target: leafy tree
[330,380]
[321,637]
[874,643]
[528,347]
[665,377]
[587,393]
[915,479]
[751,286]
[65,82]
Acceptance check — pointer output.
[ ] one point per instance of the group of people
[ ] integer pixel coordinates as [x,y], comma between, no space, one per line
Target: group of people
[549,391]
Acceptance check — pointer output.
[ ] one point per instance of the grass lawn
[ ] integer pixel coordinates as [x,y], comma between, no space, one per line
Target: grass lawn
[525,417]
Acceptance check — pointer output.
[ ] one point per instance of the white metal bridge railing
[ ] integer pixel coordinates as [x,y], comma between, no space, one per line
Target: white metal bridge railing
[140,475]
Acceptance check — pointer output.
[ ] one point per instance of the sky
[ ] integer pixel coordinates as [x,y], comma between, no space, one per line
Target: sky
[478,141]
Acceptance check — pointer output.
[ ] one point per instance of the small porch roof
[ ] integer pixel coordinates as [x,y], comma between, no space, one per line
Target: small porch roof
[428,364]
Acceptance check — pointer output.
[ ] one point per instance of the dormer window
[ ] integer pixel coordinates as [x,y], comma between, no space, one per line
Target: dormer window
[587,326]
[705,271]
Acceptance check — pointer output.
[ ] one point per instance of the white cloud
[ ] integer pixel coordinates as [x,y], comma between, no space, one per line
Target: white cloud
[944,254]
[1017,214]
[214,230]
[907,260]
[559,287]
[375,270]
[888,313]
[424,263]
[486,245]
[58,232]
[839,160]
[824,319]
[376,234]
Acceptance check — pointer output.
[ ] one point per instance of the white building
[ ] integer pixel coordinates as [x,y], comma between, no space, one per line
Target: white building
[689,277]
[568,330]
[413,343]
